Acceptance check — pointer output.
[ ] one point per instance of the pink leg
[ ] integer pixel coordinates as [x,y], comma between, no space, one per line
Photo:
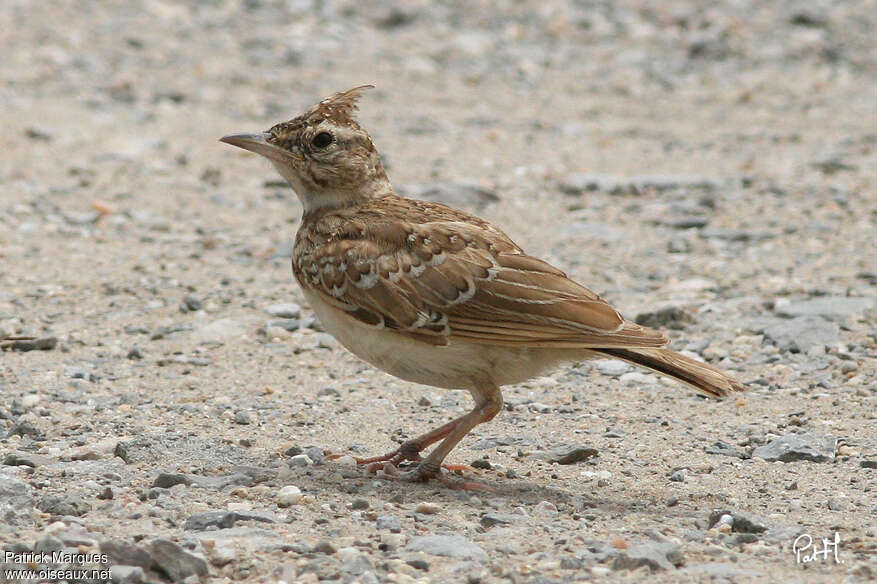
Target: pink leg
[490,403]
[488,406]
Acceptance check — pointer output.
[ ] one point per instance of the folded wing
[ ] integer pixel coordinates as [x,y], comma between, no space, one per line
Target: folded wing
[442,281]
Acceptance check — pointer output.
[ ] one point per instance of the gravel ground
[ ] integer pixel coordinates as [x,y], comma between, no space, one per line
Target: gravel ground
[710,170]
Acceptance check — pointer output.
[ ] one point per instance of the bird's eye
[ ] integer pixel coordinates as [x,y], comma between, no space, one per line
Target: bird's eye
[322,139]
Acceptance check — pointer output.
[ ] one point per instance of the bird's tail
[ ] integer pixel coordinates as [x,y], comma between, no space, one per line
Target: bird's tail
[704,378]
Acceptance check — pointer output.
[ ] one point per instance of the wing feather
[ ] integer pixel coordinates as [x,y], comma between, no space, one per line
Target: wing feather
[440,281]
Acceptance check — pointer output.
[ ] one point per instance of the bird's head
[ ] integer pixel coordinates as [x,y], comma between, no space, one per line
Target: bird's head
[324,154]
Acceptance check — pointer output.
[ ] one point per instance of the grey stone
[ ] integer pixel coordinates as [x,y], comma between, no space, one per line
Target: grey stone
[30,344]
[654,555]
[220,330]
[567,454]
[725,449]
[794,447]
[48,544]
[799,334]
[69,504]
[463,193]
[612,367]
[285,310]
[207,519]
[494,441]
[672,317]
[828,306]
[26,459]
[126,554]
[720,571]
[576,184]
[191,302]
[449,546]
[167,480]
[389,522]
[287,324]
[740,522]
[175,561]
[491,519]
[122,574]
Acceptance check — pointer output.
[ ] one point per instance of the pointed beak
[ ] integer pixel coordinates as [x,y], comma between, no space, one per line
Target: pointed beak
[259,144]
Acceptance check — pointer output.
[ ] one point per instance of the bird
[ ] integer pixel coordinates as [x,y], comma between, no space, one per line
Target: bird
[433,294]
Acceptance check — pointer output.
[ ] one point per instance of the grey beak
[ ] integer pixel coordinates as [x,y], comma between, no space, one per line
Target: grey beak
[259,144]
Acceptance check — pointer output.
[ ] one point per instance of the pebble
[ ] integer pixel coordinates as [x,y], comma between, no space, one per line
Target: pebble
[428,508]
[612,367]
[827,306]
[175,561]
[288,310]
[450,546]
[795,447]
[653,555]
[388,522]
[568,454]
[300,460]
[288,496]
[799,334]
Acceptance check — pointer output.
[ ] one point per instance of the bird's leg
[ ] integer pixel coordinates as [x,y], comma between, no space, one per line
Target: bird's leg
[488,405]
[410,449]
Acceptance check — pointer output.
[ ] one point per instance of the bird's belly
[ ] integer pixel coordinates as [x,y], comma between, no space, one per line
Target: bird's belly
[458,365]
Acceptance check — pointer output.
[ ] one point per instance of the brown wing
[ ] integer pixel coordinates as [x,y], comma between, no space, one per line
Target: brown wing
[442,281]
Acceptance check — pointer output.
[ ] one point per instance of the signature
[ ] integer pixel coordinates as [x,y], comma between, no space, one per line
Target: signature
[807,551]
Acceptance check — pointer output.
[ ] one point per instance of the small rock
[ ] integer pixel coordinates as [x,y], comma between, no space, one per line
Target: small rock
[491,519]
[568,454]
[794,447]
[799,334]
[427,508]
[288,496]
[612,367]
[69,504]
[739,521]
[865,463]
[300,460]
[167,480]
[325,547]
[828,307]
[30,344]
[450,546]
[242,417]
[725,449]
[358,504]
[123,574]
[288,324]
[388,522]
[288,310]
[175,561]
[207,519]
[672,317]
[126,554]
[191,303]
[678,476]
[654,555]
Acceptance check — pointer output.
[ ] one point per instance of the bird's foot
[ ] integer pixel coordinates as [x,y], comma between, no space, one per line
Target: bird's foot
[424,471]
[406,451]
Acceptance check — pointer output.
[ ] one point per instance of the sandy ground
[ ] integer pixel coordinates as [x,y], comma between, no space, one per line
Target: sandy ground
[716,160]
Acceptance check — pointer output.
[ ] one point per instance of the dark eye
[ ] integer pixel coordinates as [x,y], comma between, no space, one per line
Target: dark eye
[322,139]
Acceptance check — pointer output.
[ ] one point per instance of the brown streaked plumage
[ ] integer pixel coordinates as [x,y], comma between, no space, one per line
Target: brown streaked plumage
[433,294]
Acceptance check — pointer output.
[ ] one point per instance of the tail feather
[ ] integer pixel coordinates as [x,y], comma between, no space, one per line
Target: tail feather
[697,374]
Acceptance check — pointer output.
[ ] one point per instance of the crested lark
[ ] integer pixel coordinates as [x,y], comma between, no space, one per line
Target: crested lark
[432,294]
